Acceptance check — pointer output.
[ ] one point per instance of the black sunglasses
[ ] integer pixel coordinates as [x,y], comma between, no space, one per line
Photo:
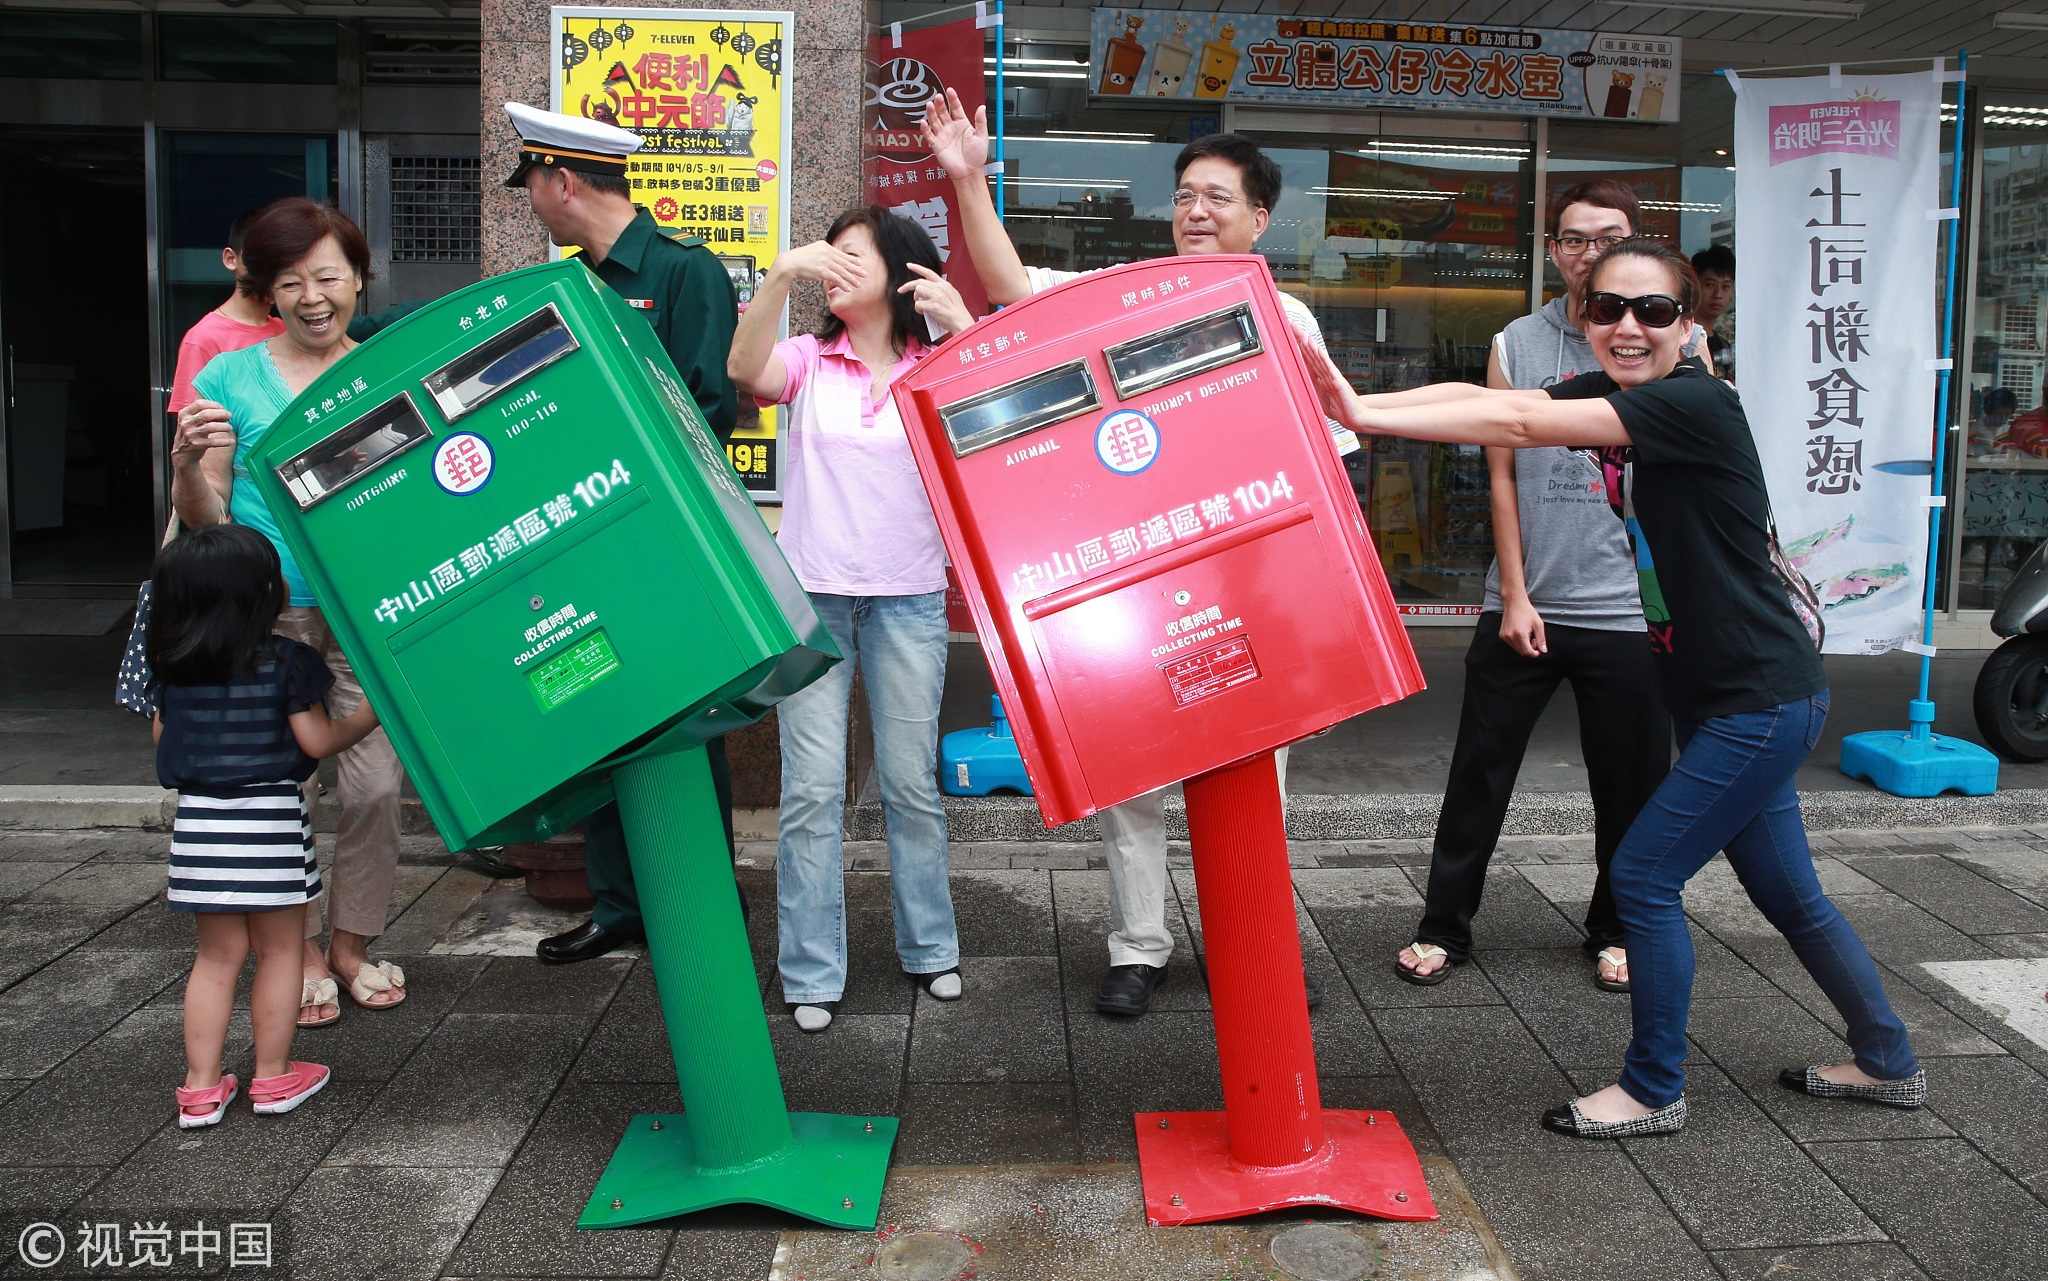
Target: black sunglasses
[1658,311]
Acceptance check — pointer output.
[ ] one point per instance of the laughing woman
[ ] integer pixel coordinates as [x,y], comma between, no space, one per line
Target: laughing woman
[859,532]
[310,261]
[1739,671]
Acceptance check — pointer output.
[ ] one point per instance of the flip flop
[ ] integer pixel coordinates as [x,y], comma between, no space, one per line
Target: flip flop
[1424,952]
[373,978]
[317,992]
[1616,957]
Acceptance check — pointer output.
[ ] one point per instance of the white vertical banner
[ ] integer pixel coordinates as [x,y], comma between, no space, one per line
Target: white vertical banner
[1836,226]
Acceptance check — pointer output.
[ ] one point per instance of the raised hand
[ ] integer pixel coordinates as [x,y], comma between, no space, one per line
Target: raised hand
[956,142]
[825,263]
[202,425]
[937,300]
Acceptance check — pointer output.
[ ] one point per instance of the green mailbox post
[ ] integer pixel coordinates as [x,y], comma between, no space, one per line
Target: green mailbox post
[554,589]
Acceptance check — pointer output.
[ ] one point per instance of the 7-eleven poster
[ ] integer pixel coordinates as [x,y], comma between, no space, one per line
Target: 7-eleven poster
[707,91]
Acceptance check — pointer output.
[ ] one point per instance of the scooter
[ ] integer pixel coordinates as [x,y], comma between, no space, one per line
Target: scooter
[2011,698]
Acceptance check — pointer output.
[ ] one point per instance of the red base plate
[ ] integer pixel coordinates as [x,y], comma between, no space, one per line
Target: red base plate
[1366,1164]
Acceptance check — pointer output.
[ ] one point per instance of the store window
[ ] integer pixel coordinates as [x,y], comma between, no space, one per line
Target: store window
[40,44]
[2005,464]
[239,50]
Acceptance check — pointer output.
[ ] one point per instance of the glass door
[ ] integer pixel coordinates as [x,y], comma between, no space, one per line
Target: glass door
[1412,250]
[74,372]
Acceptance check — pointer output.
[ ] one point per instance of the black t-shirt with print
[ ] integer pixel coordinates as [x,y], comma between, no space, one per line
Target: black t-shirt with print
[1729,641]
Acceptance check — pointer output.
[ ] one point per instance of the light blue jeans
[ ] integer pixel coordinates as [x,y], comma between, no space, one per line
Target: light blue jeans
[899,643]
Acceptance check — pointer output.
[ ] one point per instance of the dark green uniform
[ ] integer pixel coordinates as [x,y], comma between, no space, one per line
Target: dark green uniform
[682,290]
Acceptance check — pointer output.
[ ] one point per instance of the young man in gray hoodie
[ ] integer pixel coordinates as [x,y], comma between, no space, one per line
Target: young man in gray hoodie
[1561,604]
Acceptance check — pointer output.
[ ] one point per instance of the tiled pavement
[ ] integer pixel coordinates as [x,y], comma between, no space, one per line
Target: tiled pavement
[465,1128]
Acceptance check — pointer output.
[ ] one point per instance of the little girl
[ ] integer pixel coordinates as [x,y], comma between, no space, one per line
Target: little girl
[239,727]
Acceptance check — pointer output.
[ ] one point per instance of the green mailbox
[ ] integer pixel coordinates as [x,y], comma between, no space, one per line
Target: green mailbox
[551,584]
[532,550]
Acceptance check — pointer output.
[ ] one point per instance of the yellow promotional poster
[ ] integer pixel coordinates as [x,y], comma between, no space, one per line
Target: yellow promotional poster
[707,90]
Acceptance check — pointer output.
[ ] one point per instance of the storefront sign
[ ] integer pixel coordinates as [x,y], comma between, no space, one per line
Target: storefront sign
[908,67]
[1835,200]
[1329,62]
[707,91]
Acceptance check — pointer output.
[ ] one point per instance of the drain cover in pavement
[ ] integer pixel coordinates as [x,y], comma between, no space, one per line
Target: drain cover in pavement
[925,1256]
[1322,1252]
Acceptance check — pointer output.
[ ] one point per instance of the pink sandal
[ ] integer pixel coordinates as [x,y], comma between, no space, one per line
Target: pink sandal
[216,1096]
[274,1095]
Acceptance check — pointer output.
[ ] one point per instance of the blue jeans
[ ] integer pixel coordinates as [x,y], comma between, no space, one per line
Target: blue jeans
[1732,788]
[899,643]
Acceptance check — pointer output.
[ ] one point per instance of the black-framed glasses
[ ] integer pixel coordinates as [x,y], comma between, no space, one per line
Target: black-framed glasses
[1658,311]
[1576,245]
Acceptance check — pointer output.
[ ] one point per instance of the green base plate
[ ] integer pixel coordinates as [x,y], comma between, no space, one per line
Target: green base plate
[831,1173]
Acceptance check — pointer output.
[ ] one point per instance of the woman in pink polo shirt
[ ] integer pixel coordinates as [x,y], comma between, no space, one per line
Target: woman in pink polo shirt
[858,530]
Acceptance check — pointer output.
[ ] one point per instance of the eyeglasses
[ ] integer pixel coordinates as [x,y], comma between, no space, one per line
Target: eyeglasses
[1576,245]
[1658,311]
[1218,201]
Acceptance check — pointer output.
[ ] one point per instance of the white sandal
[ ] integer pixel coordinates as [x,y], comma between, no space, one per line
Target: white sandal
[373,978]
[1616,957]
[1424,953]
[318,992]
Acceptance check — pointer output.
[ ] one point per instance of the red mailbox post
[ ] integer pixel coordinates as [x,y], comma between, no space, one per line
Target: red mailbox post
[1170,578]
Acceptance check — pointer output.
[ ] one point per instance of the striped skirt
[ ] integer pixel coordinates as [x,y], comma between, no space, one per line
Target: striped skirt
[243,849]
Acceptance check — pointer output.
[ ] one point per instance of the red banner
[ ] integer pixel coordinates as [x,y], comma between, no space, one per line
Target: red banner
[906,69]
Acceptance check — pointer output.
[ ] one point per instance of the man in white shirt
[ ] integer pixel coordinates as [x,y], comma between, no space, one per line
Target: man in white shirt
[1224,192]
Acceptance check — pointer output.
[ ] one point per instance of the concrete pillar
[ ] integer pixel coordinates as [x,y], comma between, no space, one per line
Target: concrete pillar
[826,89]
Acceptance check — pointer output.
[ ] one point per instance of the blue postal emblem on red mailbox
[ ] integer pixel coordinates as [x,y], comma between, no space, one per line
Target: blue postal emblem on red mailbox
[1127,442]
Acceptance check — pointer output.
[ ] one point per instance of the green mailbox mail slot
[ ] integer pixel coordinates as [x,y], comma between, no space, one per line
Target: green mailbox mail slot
[533,551]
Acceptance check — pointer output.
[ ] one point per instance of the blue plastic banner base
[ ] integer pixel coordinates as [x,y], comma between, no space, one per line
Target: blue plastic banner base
[1897,762]
[983,761]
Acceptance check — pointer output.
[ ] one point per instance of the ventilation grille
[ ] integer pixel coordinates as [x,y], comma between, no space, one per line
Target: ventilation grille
[436,211]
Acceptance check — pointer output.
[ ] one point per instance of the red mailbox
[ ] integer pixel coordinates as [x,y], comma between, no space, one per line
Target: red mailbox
[1170,579]
[1161,551]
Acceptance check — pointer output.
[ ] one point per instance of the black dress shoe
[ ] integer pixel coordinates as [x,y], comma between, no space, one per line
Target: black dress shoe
[586,942]
[486,860]
[1127,989]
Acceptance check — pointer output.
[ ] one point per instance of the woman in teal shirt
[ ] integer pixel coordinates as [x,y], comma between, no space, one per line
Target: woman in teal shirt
[311,262]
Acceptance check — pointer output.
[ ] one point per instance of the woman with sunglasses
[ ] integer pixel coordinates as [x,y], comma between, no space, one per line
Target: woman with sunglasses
[1740,675]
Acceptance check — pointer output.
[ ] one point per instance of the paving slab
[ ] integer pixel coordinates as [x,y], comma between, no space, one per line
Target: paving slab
[1163,1062]
[522,985]
[982,1123]
[46,1017]
[1753,1039]
[1819,1263]
[381,1223]
[1007,1026]
[1004,912]
[86,1114]
[1569,1210]
[528,1225]
[853,1067]
[1365,942]
[1734,1179]
[493,1072]
[109,883]
[2009,991]
[33,935]
[1955,894]
[1512,913]
[1086,1223]
[245,1162]
[2001,1105]
[1482,1078]
[1946,1203]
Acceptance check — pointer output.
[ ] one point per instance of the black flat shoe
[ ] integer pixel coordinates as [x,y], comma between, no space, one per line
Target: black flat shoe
[1127,990]
[1907,1092]
[586,942]
[484,860]
[1669,1119]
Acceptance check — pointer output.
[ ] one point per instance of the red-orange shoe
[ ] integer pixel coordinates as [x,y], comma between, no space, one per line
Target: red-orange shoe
[198,1108]
[274,1095]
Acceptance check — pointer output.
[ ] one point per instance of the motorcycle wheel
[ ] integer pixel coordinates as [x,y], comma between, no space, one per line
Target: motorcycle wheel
[2011,699]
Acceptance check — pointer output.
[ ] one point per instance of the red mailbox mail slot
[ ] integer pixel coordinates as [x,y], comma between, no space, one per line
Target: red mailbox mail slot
[1160,548]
